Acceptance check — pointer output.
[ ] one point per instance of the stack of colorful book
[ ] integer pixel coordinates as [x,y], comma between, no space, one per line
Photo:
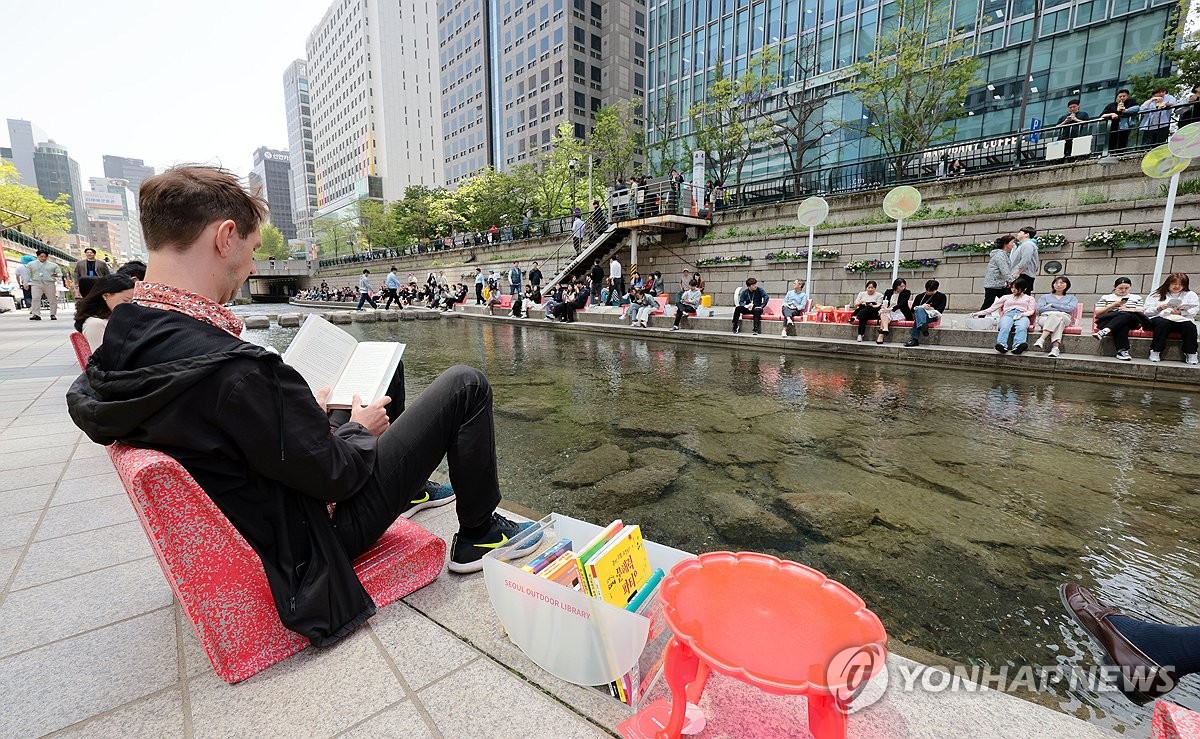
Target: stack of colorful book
[615,568]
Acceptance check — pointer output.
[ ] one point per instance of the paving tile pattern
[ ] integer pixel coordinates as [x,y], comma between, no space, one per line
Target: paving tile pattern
[92,642]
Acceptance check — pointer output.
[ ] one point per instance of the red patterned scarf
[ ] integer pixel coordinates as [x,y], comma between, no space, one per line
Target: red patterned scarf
[166,297]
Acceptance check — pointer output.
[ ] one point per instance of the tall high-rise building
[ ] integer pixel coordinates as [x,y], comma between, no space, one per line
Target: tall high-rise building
[22,139]
[132,171]
[559,64]
[57,173]
[464,50]
[513,71]
[110,199]
[376,107]
[272,173]
[300,146]
[1084,49]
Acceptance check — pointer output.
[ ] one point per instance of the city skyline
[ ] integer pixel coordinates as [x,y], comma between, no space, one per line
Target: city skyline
[203,87]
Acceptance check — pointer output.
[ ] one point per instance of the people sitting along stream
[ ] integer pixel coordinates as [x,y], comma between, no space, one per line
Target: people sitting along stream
[1054,312]
[1118,313]
[794,304]
[751,300]
[895,307]
[927,308]
[689,302]
[1015,310]
[1172,309]
[866,307]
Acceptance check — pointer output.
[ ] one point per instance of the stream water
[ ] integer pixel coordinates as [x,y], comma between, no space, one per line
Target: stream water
[953,502]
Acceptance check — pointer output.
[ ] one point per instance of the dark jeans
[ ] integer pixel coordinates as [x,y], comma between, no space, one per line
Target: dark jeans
[864,313]
[1120,323]
[390,294]
[366,298]
[791,314]
[451,418]
[479,294]
[742,310]
[920,320]
[1155,136]
[990,294]
[565,312]
[1163,328]
[682,309]
[618,286]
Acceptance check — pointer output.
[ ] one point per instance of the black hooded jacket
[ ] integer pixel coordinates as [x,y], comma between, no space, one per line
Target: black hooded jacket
[246,426]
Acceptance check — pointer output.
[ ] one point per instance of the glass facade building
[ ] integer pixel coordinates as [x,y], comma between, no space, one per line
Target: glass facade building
[57,173]
[300,146]
[1085,49]
[272,173]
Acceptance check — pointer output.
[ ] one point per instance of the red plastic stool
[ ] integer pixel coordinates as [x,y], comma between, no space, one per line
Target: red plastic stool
[777,625]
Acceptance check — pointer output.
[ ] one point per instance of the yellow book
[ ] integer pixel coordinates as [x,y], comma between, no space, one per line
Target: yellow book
[622,567]
[561,570]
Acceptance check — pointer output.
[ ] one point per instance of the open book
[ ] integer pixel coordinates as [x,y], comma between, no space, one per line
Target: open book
[327,356]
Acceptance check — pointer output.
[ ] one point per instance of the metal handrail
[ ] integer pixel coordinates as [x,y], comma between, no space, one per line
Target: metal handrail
[1094,139]
[466,240]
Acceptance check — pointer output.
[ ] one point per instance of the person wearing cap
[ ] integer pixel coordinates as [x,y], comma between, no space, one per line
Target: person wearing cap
[44,279]
[87,271]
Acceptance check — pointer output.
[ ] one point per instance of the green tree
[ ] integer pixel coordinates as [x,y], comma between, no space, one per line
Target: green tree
[614,140]
[664,149]
[274,246]
[21,206]
[498,198]
[555,175]
[1179,47]
[799,115]
[914,84]
[732,119]
[332,235]
[424,213]
[377,226]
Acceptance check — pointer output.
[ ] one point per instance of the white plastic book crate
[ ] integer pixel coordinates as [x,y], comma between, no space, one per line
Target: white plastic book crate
[572,636]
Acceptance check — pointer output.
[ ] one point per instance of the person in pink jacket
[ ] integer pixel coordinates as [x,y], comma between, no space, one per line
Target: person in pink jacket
[1016,310]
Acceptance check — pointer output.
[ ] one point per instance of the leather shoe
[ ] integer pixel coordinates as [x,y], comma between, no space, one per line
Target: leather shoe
[1141,679]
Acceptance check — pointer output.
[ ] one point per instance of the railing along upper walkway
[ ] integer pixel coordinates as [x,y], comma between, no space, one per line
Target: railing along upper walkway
[1095,139]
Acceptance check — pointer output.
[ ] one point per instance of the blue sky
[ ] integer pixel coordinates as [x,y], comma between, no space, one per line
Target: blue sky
[166,82]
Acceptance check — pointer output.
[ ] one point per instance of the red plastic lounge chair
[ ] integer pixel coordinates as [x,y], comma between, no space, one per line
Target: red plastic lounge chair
[219,579]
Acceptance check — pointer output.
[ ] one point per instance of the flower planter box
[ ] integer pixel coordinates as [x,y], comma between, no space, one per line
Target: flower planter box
[956,254]
[889,269]
[714,265]
[802,260]
[1152,244]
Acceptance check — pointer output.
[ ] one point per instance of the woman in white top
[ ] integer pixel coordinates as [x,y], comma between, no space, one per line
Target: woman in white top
[1172,309]
[1118,313]
[866,307]
[92,312]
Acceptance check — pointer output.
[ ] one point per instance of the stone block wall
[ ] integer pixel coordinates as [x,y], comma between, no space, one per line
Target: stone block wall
[1091,272]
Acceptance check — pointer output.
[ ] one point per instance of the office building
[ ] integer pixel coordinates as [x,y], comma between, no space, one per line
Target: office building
[1085,49]
[375,100]
[132,171]
[22,139]
[465,58]
[271,175]
[6,153]
[562,60]
[300,146]
[104,237]
[57,173]
[110,199]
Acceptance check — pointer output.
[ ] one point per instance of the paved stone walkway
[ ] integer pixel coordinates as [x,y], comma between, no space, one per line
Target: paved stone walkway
[93,644]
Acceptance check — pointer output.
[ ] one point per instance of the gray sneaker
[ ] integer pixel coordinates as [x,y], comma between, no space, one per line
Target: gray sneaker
[1123,356]
[1102,333]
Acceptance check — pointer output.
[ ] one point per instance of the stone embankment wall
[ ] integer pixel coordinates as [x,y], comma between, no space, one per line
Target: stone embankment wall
[1062,187]
[1091,271]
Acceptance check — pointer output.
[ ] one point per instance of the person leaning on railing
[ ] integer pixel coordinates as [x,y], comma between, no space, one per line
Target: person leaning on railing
[1156,117]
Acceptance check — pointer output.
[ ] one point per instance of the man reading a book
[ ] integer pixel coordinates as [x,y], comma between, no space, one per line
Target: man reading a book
[173,375]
